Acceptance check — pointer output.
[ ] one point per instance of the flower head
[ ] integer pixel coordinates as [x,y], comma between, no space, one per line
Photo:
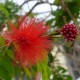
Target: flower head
[30,40]
[69,31]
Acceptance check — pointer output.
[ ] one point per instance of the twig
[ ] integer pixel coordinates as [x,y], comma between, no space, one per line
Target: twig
[25,3]
[36,0]
[34,7]
[30,12]
[68,11]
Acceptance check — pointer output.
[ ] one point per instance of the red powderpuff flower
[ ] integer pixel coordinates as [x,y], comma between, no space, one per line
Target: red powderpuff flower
[69,31]
[30,40]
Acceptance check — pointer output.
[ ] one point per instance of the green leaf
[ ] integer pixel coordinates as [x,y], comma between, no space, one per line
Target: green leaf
[51,58]
[39,68]
[44,69]
[49,22]
[61,69]
[49,72]
[27,71]
[2,8]
[6,63]
[57,2]
[10,53]
[4,74]
[2,41]
[68,77]
[44,72]
[17,70]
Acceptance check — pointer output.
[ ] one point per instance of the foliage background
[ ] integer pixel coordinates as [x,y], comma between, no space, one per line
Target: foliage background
[66,11]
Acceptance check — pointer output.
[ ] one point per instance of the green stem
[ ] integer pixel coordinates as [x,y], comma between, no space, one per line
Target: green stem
[27,72]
